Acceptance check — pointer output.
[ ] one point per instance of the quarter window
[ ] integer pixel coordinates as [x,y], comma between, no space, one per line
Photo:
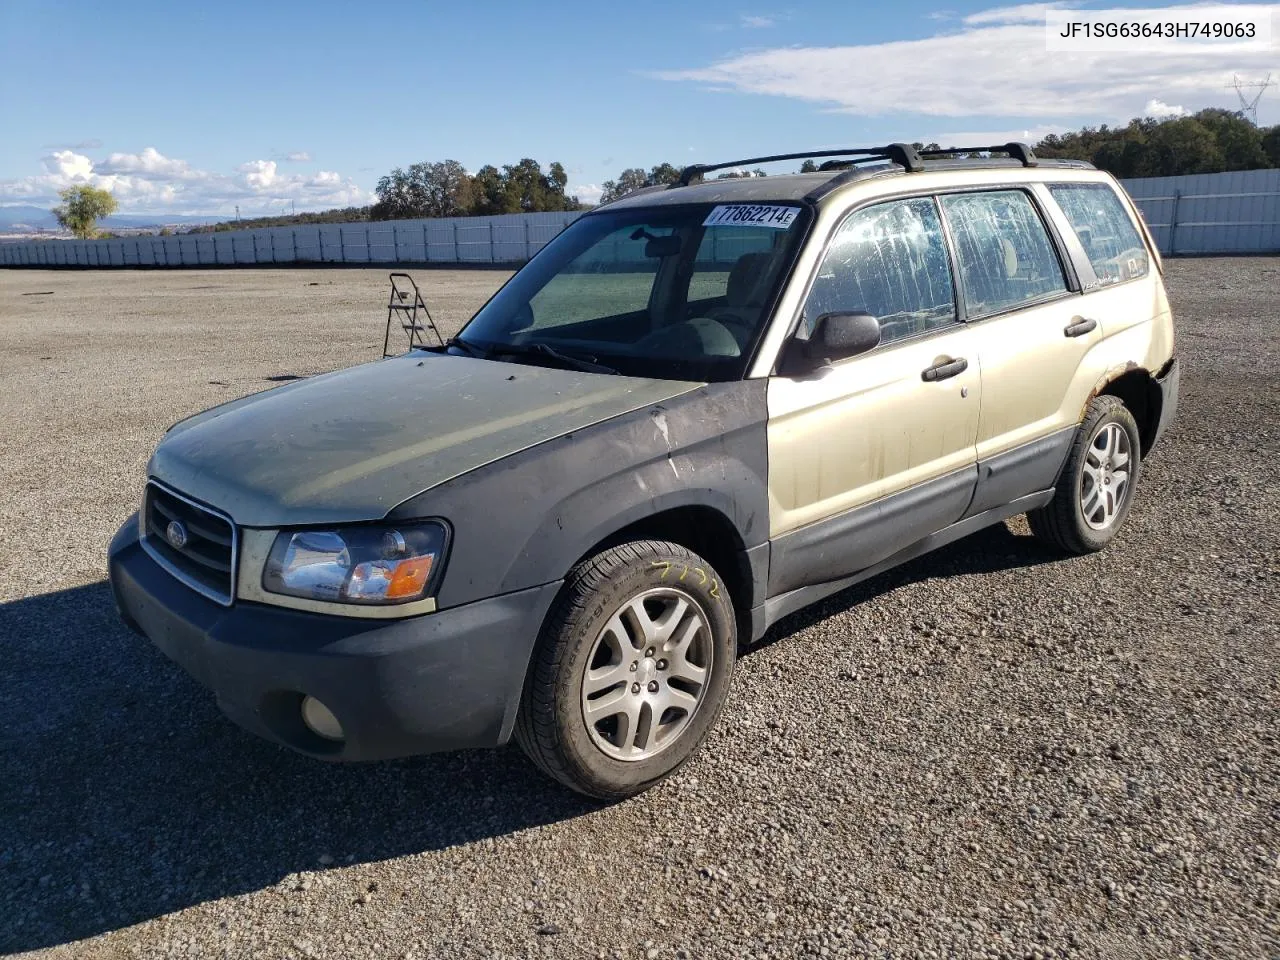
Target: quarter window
[890,261]
[1105,229]
[1005,256]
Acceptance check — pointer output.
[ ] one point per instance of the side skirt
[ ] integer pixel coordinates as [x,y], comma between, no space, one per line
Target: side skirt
[1032,466]
[775,608]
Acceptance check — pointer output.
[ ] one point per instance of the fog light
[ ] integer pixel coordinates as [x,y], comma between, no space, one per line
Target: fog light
[320,719]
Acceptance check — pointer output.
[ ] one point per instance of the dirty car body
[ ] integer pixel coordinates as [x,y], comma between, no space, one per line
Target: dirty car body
[665,370]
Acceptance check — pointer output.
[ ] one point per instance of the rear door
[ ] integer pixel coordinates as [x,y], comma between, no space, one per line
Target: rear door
[872,453]
[1022,307]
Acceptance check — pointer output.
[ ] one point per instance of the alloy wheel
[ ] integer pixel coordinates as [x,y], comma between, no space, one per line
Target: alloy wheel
[647,674]
[1104,482]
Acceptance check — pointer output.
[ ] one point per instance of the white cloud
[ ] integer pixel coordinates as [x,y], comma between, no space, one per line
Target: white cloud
[995,66]
[1161,111]
[982,138]
[755,22]
[258,174]
[1019,13]
[67,163]
[298,156]
[150,164]
[150,182]
[586,192]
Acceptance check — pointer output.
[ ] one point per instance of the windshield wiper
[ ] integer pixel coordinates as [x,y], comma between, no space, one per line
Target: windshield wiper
[466,347]
[585,364]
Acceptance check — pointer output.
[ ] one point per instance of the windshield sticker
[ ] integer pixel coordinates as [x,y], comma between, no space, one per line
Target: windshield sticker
[751,215]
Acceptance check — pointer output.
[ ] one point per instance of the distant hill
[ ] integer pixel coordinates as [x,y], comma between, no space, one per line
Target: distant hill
[39,218]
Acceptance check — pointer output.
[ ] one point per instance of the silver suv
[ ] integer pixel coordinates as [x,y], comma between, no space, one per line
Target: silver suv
[698,409]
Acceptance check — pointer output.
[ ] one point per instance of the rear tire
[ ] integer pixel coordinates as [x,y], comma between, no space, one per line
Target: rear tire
[631,669]
[1098,482]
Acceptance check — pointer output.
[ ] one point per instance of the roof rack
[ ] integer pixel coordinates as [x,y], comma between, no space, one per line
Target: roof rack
[1018,151]
[903,154]
[900,153]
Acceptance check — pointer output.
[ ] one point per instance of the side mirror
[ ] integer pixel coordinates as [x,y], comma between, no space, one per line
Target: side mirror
[839,335]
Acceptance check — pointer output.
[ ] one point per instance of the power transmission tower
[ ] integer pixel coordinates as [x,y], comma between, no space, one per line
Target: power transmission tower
[1249,101]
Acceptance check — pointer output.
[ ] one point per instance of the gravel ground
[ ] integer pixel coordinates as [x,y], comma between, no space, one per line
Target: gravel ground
[991,751]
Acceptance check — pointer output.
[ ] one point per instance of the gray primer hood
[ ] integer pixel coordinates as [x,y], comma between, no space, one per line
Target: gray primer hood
[351,445]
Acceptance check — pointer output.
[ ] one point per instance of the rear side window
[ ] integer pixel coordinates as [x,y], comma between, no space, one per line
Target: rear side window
[1105,229]
[1005,256]
[890,261]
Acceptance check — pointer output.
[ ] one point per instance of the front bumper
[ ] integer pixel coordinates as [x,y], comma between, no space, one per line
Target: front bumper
[1168,382]
[443,681]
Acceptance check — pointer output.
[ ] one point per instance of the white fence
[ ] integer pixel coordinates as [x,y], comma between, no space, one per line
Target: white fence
[509,238]
[1200,214]
[1212,212]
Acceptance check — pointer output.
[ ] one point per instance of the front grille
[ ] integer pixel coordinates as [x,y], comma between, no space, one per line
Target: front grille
[206,561]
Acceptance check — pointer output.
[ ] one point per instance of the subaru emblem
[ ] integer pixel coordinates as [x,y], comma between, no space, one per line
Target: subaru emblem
[176,534]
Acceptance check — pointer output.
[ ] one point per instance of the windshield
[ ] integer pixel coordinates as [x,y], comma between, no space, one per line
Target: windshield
[670,292]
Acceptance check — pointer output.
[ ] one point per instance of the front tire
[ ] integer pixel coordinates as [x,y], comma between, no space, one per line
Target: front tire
[1098,482]
[631,669]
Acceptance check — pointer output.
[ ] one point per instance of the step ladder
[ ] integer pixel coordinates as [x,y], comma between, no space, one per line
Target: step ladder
[404,305]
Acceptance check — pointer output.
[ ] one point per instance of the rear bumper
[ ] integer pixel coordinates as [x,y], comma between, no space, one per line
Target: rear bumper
[1168,382]
[444,681]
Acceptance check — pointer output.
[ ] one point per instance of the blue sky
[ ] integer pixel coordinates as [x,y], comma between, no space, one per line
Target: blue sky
[194,108]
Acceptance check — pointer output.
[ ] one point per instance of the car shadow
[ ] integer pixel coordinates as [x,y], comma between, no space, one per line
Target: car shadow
[989,550]
[126,796]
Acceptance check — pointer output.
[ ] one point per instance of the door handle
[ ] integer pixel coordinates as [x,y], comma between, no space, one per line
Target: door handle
[942,371]
[1079,326]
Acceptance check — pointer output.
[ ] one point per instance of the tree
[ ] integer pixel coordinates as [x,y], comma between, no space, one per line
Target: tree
[635,178]
[424,190]
[527,184]
[447,186]
[557,179]
[662,173]
[446,190]
[1238,139]
[490,194]
[82,207]
[398,198]
[526,188]
[1271,144]
[1210,141]
[808,167]
[630,180]
[1181,146]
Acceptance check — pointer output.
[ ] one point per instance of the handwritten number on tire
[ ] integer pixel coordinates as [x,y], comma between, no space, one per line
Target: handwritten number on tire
[684,572]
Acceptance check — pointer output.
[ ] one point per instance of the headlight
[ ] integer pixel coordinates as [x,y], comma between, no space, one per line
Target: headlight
[365,564]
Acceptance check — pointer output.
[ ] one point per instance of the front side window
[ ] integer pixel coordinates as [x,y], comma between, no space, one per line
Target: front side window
[890,261]
[1005,256]
[669,292]
[1106,231]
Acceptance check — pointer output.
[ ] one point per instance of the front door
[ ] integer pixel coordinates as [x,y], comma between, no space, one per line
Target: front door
[876,451]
